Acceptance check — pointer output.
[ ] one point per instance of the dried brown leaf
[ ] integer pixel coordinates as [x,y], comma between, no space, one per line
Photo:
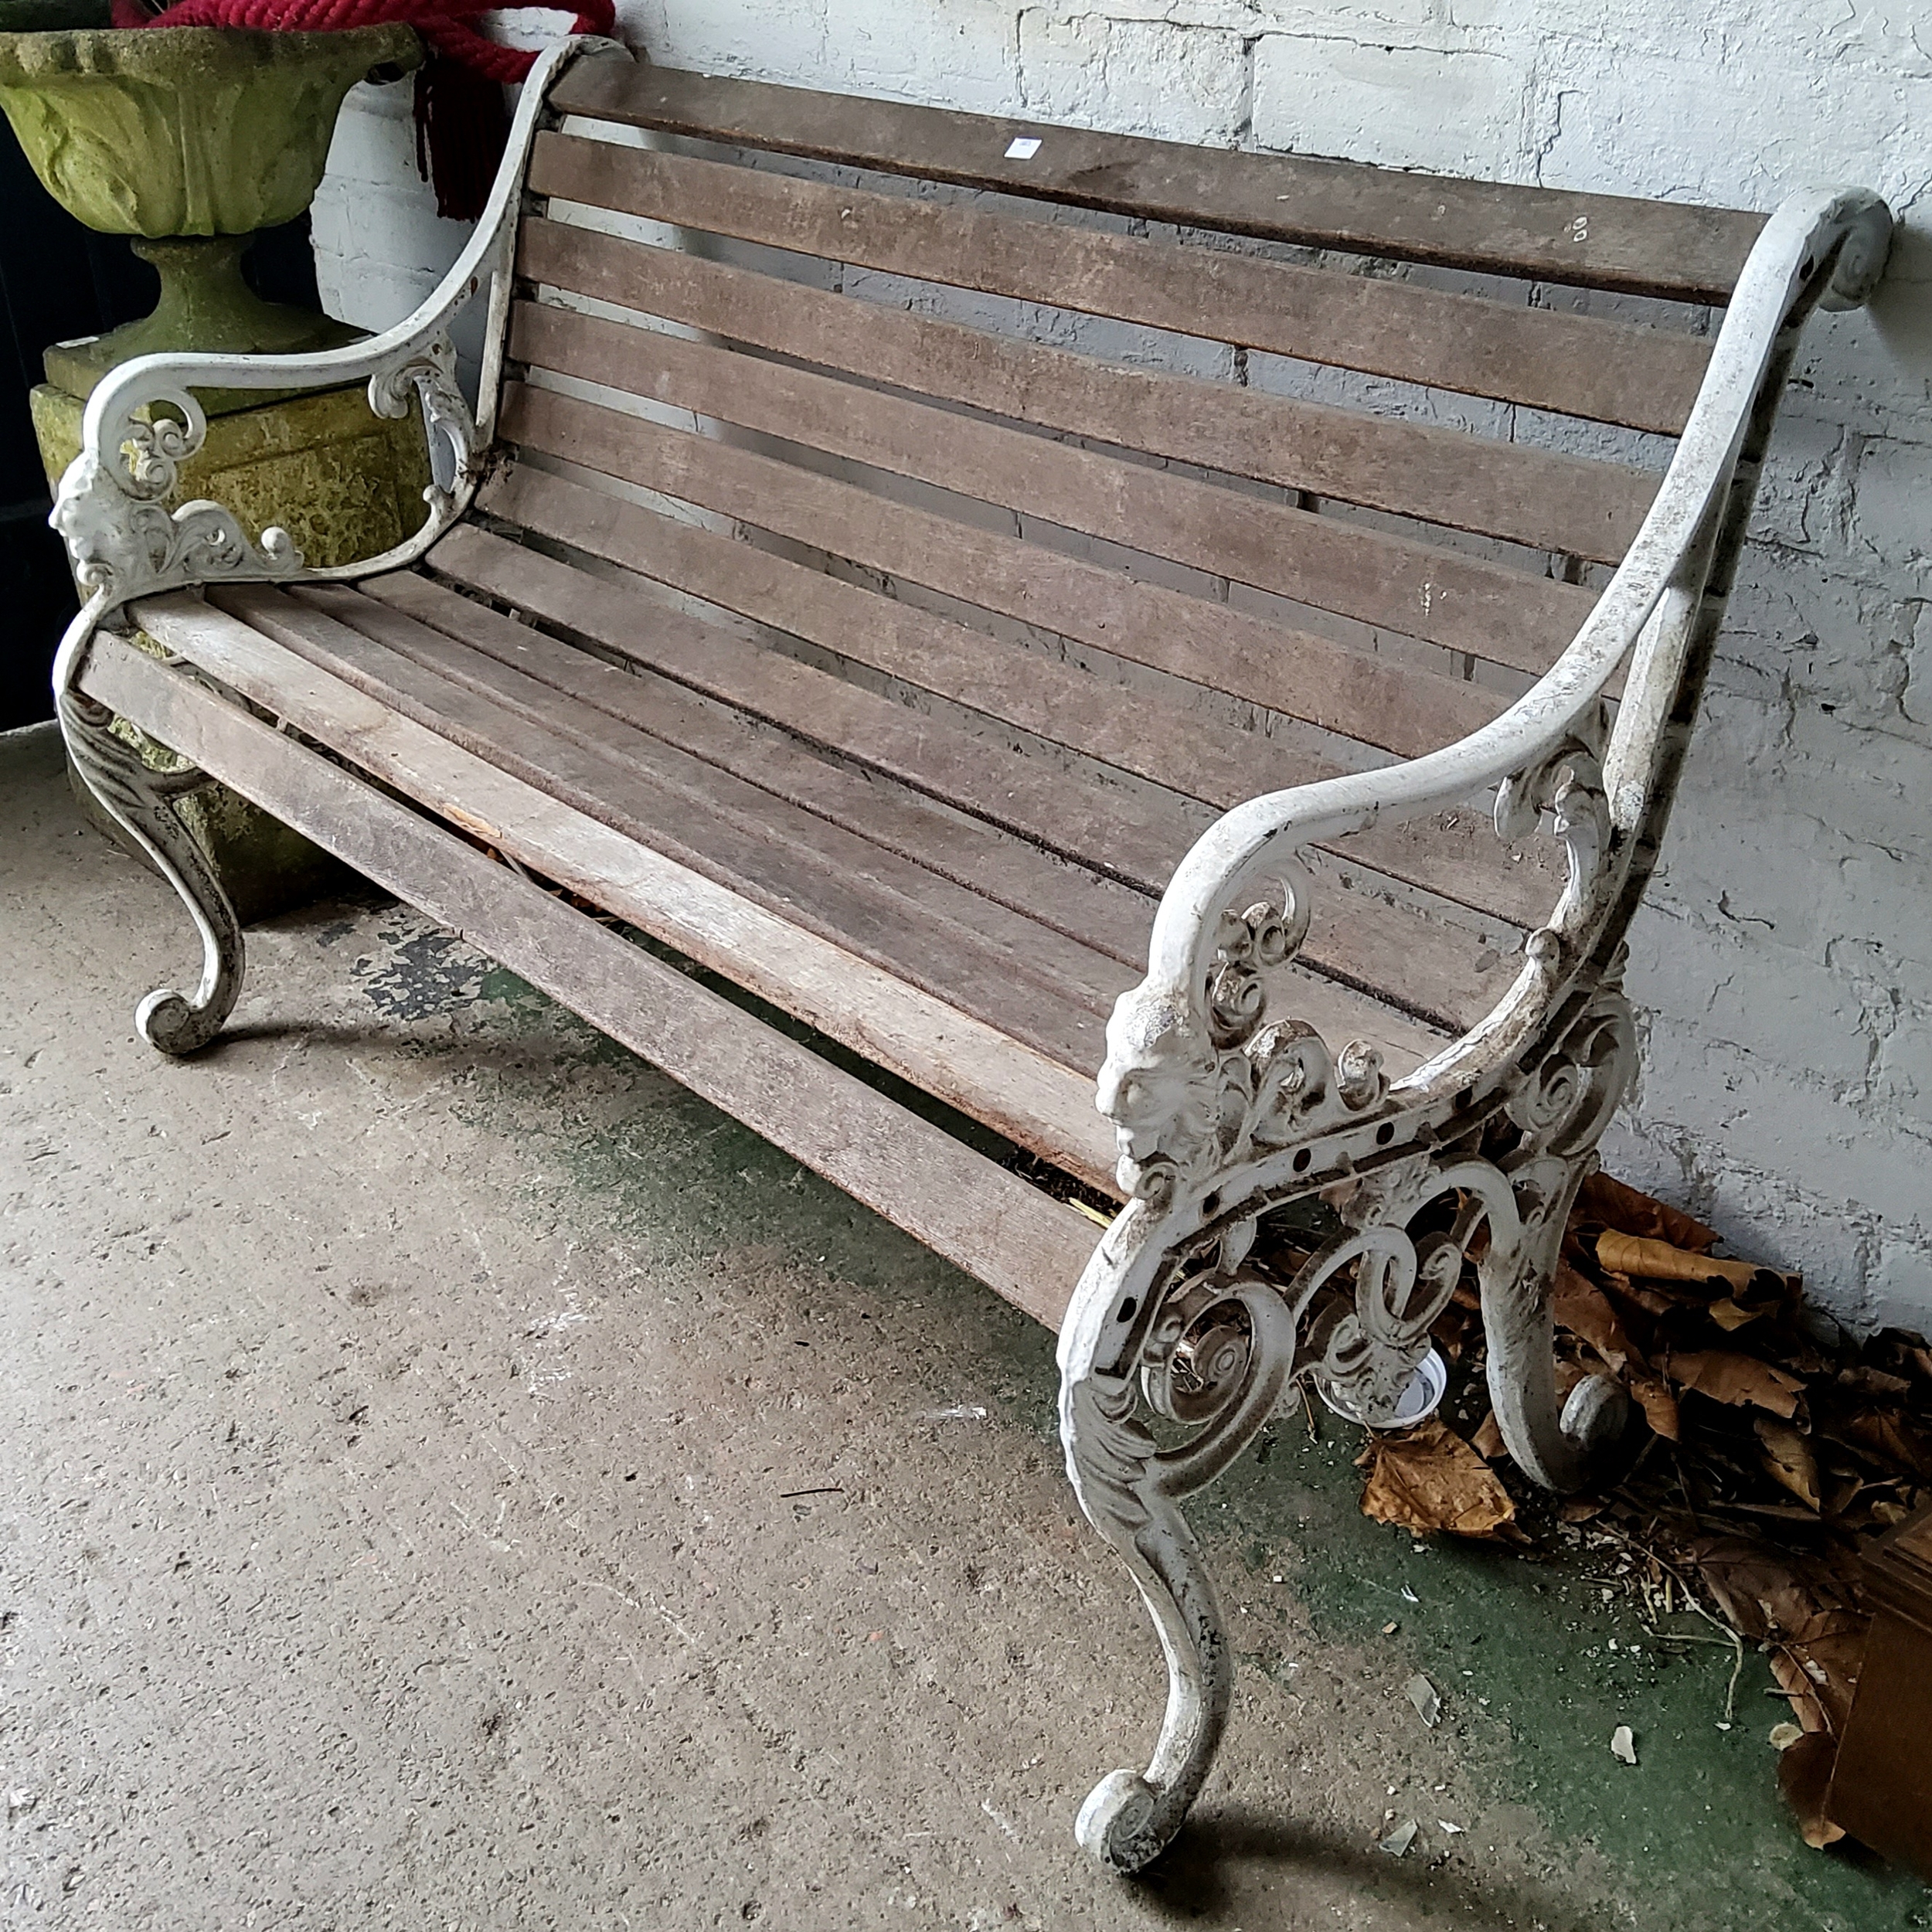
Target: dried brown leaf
[1831,1650]
[1652,1393]
[1629,1211]
[1488,1441]
[1884,1438]
[1761,1594]
[1661,1261]
[1874,1382]
[1650,1296]
[1738,1379]
[1429,1478]
[1806,1706]
[1804,1777]
[1789,1459]
[1583,1308]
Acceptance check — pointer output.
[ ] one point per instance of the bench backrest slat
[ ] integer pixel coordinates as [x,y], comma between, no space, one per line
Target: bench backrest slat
[1602,371]
[1463,604]
[1348,692]
[1522,493]
[1601,241]
[1134,836]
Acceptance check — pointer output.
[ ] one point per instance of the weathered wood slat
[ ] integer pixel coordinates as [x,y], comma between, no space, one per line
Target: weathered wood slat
[1354,936]
[1503,616]
[1025,1095]
[1214,763]
[1356,694]
[1529,496]
[1598,240]
[1031,796]
[1604,372]
[1135,837]
[1036,986]
[1111,918]
[1026,1246]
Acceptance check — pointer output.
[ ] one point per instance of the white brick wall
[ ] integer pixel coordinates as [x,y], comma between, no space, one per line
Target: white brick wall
[1786,965]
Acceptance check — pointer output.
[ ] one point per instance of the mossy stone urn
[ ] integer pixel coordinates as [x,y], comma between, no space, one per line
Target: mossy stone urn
[190,139]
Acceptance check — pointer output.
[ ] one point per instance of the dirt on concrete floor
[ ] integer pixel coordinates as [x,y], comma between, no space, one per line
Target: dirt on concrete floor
[455,1479]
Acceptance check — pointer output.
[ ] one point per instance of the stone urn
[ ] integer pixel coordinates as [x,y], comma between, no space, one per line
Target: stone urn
[189,139]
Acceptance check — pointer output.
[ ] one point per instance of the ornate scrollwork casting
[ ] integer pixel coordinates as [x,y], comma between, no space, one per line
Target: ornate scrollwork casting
[1566,782]
[142,801]
[112,511]
[455,454]
[123,539]
[1195,1087]
[1172,1321]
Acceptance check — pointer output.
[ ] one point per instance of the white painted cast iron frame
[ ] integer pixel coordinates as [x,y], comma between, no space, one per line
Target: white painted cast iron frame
[1222,1115]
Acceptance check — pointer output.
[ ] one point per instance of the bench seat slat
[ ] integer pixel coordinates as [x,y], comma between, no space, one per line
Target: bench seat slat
[1503,616]
[1644,379]
[1444,476]
[1034,985]
[1354,938]
[1136,836]
[1072,900]
[1094,913]
[1601,241]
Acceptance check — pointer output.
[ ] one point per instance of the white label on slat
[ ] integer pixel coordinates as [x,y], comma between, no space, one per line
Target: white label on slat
[1023,147]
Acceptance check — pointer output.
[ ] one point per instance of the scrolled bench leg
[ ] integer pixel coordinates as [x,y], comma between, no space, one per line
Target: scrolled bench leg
[142,800]
[1205,1346]
[1563,1109]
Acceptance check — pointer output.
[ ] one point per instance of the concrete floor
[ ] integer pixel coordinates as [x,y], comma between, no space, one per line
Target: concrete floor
[403,1422]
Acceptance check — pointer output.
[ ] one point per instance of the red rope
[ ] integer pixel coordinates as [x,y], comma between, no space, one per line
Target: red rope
[446,24]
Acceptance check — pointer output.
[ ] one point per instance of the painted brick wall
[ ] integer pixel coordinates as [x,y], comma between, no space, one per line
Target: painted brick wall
[1785,964]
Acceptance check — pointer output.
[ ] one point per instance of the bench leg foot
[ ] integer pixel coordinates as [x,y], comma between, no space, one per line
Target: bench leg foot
[1554,1442]
[1237,1336]
[141,801]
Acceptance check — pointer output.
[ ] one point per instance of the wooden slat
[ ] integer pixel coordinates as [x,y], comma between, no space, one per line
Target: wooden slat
[1442,978]
[1033,984]
[1354,693]
[1137,836]
[1124,835]
[1527,495]
[1027,1247]
[1598,240]
[1100,913]
[1025,1095]
[1522,622]
[1605,372]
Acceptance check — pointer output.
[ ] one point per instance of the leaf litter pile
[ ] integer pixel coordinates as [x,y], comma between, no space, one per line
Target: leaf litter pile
[1768,1449]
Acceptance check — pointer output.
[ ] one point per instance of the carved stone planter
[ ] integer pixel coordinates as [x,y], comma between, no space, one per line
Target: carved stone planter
[189,139]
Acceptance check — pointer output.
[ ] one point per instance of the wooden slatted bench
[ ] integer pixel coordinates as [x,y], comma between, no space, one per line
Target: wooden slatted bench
[1028,604]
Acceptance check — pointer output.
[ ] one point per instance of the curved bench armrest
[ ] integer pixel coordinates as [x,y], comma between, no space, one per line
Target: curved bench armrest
[143,421]
[1550,750]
